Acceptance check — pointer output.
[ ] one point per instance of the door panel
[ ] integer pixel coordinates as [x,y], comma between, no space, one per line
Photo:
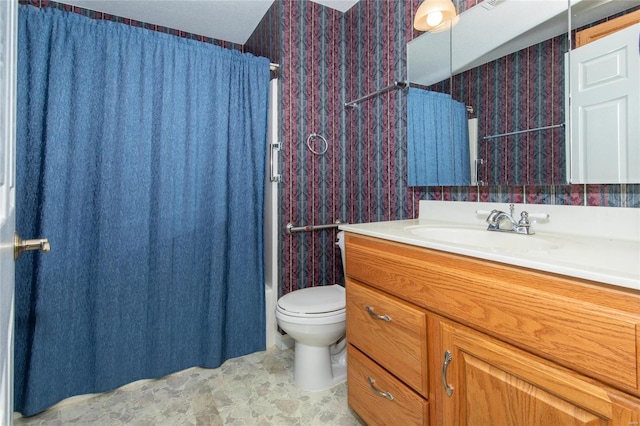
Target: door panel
[514,401]
[496,383]
[8,45]
[605,104]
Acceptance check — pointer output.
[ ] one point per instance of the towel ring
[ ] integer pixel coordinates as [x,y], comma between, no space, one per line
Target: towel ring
[324,143]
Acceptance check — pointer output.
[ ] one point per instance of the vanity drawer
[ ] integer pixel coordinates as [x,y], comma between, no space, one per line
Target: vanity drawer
[390,331]
[406,408]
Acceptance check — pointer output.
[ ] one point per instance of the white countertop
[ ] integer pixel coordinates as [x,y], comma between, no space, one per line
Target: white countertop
[595,243]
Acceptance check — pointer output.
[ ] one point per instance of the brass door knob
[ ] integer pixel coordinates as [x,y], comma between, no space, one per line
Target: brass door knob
[27,245]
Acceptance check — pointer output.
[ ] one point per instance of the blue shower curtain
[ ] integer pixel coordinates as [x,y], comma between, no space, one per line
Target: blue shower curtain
[141,157]
[437,140]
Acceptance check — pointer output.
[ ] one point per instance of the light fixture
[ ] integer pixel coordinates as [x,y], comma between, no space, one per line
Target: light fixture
[432,14]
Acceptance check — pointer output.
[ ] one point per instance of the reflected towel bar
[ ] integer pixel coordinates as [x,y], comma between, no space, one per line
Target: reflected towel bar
[291,229]
[523,131]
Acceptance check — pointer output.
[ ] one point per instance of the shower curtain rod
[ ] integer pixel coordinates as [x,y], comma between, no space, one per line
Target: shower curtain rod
[395,85]
[419,86]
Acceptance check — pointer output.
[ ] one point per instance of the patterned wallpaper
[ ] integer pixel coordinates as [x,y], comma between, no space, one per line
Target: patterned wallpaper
[521,91]
[313,83]
[328,58]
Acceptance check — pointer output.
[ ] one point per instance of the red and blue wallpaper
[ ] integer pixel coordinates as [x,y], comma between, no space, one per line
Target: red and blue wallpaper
[328,58]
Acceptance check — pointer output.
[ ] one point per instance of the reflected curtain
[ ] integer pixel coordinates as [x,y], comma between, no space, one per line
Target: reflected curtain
[141,157]
[437,140]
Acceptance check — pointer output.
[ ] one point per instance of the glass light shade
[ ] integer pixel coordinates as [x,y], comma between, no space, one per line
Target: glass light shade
[430,10]
[434,18]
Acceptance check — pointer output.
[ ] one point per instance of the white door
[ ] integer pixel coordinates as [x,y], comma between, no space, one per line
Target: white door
[605,110]
[8,45]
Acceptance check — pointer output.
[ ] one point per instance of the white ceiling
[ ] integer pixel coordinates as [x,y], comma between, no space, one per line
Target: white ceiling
[229,20]
[341,5]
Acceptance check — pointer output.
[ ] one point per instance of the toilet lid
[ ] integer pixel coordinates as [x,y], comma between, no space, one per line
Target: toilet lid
[314,300]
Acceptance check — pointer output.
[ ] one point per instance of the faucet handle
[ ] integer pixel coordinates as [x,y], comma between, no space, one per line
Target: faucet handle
[524,219]
[524,226]
[543,217]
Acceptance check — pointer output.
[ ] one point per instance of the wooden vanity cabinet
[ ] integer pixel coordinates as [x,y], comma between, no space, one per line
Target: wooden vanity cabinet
[493,383]
[527,347]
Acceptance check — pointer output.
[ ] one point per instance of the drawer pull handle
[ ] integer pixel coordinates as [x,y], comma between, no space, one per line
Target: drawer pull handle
[447,360]
[386,318]
[379,392]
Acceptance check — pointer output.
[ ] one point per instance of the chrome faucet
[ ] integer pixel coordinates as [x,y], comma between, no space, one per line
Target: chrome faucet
[497,217]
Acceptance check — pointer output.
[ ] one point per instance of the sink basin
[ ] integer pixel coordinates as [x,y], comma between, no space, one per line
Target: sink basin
[481,238]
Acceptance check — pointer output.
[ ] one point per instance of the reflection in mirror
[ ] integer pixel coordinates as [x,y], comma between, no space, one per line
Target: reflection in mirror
[505,94]
[603,145]
[437,140]
[521,91]
[516,89]
[485,32]
[518,94]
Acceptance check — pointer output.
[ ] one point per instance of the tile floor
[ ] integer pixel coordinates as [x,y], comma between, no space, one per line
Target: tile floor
[256,389]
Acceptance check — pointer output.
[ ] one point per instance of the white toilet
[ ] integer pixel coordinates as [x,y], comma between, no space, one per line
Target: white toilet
[315,318]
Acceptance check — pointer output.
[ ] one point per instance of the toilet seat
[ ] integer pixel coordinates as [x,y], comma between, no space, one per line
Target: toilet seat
[314,302]
[336,317]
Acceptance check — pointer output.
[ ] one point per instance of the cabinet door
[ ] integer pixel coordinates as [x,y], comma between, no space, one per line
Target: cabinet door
[493,383]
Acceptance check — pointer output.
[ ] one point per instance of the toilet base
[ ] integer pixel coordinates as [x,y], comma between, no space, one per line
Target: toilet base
[316,369]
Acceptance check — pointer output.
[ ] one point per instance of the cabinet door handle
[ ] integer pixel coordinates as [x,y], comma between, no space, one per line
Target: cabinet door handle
[447,360]
[379,392]
[386,318]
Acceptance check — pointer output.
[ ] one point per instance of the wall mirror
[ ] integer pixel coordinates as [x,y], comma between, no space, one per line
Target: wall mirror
[505,59]
[602,82]
[437,125]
